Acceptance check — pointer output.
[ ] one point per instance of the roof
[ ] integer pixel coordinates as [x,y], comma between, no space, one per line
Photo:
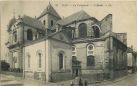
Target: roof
[81,15]
[49,10]
[32,22]
[11,22]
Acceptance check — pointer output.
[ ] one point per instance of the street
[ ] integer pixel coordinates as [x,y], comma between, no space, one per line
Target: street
[8,80]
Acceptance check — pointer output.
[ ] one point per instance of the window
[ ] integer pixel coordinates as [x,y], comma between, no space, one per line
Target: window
[51,22]
[82,30]
[96,31]
[60,61]
[28,60]
[90,60]
[15,36]
[44,22]
[90,49]
[90,55]
[15,59]
[39,60]
[73,51]
[29,34]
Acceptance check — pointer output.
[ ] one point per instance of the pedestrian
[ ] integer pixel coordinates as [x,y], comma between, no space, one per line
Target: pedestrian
[80,82]
[72,84]
[86,83]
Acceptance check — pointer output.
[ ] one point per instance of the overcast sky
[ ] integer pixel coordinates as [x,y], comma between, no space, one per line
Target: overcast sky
[124,14]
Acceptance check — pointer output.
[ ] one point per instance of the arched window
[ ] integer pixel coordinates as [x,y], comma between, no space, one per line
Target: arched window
[44,22]
[82,30]
[15,36]
[52,22]
[60,61]
[28,59]
[90,55]
[29,34]
[73,51]
[39,56]
[90,49]
[96,30]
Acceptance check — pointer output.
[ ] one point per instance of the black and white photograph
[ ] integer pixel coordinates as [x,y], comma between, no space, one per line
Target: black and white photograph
[68,43]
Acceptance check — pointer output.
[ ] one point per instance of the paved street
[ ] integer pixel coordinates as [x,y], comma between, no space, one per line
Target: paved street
[7,80]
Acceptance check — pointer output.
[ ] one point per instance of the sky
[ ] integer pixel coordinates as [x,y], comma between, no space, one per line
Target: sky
[124,15]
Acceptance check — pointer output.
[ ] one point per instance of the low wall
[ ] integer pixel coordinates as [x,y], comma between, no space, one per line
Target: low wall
[61,76]
[35,75]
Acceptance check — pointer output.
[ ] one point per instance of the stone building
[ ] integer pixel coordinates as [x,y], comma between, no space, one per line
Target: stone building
[48,47]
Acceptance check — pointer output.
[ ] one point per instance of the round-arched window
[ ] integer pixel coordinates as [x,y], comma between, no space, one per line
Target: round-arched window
[90,49]
[73,51]
[90,55]
[96,30]
[73,48]
[82,30]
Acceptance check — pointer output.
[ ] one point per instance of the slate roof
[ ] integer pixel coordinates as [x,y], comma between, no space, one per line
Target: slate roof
[32,22]
[81,15]
[49,10]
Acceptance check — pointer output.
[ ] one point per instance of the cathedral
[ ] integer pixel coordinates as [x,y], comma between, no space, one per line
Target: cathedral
[48,47]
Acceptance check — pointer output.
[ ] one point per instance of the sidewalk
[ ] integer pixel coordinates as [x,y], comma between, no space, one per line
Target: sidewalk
[114,81]
[18,81]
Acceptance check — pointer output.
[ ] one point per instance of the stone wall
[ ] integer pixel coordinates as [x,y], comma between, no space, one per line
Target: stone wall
[81,54]
[33,50]
[106,24]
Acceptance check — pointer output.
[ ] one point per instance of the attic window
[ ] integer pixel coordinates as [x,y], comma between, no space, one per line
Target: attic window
[51,22]
[44,22]
[15,36]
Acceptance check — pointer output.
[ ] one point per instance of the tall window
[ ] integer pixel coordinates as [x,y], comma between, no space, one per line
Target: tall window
[82,30]
[15,36]
[28,61]
[60,61]
[52,22]
[96,31]
[73,51]
[44,22]
[90,55]
[29,34]
[39,60]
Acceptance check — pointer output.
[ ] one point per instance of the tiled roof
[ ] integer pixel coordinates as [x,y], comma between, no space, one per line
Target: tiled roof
[81,15]
[49,10]
[32,22]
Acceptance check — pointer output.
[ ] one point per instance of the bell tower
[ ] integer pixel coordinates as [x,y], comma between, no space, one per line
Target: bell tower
[49,17]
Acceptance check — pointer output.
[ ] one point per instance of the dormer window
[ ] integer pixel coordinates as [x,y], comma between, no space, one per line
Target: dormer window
[29,34]
[52,22]
[15,36]
[44,22]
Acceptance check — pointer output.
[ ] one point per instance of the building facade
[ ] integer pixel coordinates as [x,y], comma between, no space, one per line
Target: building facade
[48,47]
